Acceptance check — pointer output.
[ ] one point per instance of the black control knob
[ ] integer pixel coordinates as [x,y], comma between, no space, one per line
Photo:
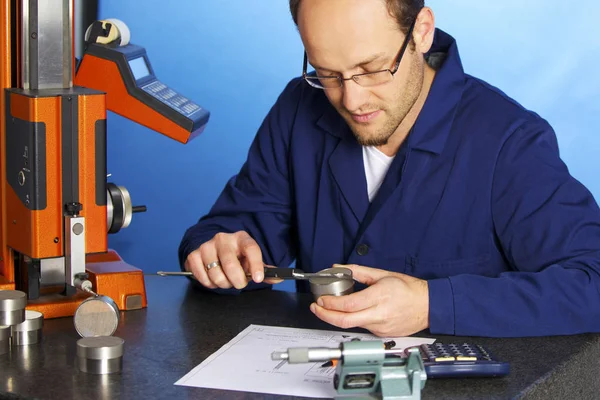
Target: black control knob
[119,209]
[73,209]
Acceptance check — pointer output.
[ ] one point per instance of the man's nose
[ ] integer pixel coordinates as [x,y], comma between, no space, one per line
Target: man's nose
[354,95]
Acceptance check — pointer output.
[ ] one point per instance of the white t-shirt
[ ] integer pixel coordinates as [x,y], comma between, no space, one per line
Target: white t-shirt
[376,166]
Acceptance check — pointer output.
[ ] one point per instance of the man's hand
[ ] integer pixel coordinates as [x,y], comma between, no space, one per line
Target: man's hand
[236,253]
[393,305]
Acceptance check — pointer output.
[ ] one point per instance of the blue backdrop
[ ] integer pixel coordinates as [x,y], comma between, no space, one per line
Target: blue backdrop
[233,57]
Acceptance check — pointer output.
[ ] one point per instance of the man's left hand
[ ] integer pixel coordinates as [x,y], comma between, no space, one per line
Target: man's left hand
[394,304]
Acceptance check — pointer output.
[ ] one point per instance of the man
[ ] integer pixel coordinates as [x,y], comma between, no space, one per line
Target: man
[444,196]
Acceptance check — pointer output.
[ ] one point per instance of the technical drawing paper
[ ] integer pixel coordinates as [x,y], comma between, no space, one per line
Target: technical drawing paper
[244,364]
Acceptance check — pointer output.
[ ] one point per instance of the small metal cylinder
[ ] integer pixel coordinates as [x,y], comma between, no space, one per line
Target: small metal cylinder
[4,339]
[96,316]
[29,331]
[12,307]
[326,286]
[100,355]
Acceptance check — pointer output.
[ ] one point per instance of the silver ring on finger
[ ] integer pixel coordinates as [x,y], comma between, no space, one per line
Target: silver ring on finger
[212,265]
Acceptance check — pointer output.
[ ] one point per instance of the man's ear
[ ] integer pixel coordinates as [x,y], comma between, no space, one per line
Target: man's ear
[424,30]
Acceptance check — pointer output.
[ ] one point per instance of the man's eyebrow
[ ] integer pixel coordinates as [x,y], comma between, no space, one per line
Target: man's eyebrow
[369,60]
[359,64]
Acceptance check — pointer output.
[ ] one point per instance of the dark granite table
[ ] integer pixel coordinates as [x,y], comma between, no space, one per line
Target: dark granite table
[183,325]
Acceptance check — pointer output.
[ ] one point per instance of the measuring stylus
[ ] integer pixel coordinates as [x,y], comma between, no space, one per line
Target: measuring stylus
[280,273]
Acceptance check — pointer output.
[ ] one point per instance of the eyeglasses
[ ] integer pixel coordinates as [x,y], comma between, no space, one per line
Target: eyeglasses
[366,79]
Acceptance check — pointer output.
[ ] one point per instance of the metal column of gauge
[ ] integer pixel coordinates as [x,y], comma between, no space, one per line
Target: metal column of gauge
[100,355]
[119,209]
[12,307]
[30,330]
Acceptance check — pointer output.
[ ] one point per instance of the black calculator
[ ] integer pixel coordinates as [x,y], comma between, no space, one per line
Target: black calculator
[460,361]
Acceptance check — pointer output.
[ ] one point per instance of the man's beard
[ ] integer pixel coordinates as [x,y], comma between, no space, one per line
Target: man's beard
[394,113]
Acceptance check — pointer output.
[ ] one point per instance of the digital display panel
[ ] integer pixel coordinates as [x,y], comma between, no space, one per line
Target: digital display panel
[139,68]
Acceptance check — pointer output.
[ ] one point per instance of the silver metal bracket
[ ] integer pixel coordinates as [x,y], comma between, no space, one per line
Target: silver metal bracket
[74,249]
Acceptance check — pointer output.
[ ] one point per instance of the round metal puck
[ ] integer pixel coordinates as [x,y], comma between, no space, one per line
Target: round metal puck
[100,355]
[328,286]
[30,330]
[96,316]
[12,307]
[4,339]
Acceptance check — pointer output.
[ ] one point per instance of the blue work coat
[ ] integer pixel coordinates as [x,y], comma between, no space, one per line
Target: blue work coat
[477,202]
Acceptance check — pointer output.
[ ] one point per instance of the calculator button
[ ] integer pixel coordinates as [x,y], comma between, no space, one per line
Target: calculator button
[462,358]
[444,359]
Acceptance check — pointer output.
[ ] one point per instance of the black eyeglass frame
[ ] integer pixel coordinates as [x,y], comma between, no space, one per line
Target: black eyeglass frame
[355,77]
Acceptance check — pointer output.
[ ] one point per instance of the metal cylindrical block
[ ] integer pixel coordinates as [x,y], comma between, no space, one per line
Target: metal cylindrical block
[96,316]
[12,307]
[327,286]
[100,355]
[4,339]
[30,330]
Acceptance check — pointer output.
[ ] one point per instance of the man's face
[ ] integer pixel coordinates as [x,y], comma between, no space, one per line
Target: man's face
[348,37]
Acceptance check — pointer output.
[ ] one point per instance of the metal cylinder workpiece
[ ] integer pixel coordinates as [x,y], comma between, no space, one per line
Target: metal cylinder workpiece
[96,316]
[332,286]
[30,330]
[4,339]
[12,307]
[100,355]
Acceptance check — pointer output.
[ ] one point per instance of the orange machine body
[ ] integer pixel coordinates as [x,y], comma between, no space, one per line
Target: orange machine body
[35,228]
[35,126]
[53,159]
[110,276]
[39,233]
[104,75]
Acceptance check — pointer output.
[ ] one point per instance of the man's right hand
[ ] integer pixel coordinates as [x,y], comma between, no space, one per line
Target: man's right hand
[234,254]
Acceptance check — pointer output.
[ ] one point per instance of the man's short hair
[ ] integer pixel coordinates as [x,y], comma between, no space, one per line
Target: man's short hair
[405,11]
